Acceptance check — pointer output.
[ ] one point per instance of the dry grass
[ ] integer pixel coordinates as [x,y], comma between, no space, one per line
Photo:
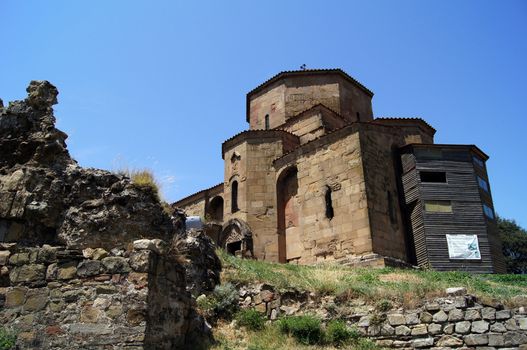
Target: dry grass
[142,178]
[232,337]
[404,287]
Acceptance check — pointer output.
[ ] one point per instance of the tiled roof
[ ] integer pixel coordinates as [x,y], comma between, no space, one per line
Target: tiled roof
[310,71]
[404,119]
[318,106]
[253,133]
[196,194]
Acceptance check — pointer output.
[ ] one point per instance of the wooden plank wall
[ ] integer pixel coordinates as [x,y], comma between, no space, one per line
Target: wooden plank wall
[429,229]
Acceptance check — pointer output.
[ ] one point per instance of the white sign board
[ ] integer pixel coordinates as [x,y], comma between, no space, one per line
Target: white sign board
[463,247]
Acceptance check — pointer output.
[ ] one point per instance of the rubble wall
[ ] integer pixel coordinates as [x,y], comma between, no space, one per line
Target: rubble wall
[452,322]
[60,298]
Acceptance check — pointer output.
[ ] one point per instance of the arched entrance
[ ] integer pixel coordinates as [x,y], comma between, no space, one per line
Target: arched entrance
[215,209]
[289,244]
[236,238]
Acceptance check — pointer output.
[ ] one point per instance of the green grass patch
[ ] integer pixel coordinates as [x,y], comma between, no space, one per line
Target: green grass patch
[306,329]
[399,286]
[251,319]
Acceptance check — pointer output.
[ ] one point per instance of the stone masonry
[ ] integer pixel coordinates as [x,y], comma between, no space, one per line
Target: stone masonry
[317,178]
[457,321]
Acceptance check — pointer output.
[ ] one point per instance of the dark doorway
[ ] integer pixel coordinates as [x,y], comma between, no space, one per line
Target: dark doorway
[233,247]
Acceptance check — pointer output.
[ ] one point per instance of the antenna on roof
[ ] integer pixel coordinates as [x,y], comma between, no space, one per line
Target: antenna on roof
[303,67]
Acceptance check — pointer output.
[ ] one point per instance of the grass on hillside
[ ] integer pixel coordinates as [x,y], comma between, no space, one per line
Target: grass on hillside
[405,287]
[232,337]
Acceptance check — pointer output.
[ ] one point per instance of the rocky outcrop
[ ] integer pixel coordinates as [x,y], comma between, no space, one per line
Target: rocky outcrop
[203,267]
[83,258]
[46,197]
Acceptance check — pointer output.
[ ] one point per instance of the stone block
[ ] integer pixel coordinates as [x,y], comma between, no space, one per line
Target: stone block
[449,328]
[503,314]
[386,329]
[4,257]
[472,315]
[480,326]
[88,268]
[396,319]
[139,260]
[374,330]
[498,327]
[67,270]
[15,297]
[420,329]
[463,327]
[434,328]
[460,302]
[432,306]
[488,313]
[402,330]
[28,273]
[511,325]
[422,342]
[522,323]
[455,315]
[456,291]
[425,317]
[364,321]
[157,245]
[449,341]
[115,264]
[36,300]
[514,338]
[411,318]
[476,339]
[19,259]
[440,317]
[495,339]
[99,254]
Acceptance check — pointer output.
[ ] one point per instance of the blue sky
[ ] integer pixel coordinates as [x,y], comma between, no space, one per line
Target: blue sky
[161,84]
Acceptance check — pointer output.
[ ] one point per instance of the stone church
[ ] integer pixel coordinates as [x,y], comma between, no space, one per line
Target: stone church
[317,178]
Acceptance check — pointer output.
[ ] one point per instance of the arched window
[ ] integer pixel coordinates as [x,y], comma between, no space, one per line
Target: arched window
[358,116]
[329,204]
[267,122]
[234,197]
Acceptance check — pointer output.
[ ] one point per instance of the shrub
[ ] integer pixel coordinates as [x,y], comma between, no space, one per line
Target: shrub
[226,297]
[365,344]
[7,339]
[338,334]
[305,329]
[250,319]
[384,305]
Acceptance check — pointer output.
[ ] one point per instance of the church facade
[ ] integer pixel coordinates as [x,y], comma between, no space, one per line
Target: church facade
[316,178]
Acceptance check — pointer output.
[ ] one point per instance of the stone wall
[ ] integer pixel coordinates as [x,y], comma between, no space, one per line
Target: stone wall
[58,298]
[335,163]
[452,322]
[82,263]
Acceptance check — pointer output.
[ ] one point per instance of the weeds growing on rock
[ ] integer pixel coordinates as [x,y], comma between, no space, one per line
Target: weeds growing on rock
[7,339]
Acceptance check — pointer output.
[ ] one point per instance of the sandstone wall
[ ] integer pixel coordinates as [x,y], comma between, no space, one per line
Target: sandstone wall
[337,164]
[378,145]
[60,298]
